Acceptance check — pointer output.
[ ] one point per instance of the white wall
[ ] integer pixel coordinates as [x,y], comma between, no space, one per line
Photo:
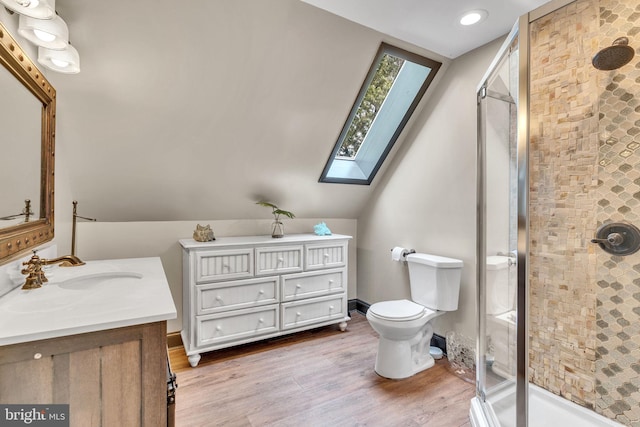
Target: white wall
[427,200]
[112,240]
[197,111]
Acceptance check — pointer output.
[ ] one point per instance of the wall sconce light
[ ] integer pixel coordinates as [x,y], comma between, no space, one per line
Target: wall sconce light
[39,9]
[65,61]
[50,33]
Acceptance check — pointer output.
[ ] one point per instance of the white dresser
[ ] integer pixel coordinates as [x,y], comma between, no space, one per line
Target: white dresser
[247,288]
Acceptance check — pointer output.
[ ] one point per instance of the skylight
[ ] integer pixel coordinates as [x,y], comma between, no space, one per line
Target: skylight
[393,88]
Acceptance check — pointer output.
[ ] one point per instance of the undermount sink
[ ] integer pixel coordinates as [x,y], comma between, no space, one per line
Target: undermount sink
[91,281]
[66,293]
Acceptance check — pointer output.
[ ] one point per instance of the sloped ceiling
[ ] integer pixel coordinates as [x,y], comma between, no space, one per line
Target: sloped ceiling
[195,110]
[433,24]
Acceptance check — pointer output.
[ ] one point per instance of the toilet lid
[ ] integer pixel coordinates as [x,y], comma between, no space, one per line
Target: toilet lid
[397,310]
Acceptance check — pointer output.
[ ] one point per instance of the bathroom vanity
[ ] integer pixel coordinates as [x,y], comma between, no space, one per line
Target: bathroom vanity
[242,289]
[93,337]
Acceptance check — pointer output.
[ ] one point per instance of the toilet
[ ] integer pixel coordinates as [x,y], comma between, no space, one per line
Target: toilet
[405,326]
[501,315]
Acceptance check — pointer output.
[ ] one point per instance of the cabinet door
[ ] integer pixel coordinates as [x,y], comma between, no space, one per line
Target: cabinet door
[325,255]
[225,296]
[315,310]
[109,378]
[278,259]
[223,265]
[313,284]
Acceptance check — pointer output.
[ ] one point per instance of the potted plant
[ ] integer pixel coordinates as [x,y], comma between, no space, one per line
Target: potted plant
[278,227]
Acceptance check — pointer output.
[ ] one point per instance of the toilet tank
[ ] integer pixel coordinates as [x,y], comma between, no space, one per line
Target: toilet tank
[435,281]
[500,293]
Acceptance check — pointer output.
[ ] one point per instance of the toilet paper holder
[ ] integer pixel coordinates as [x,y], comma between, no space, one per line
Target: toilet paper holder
[404,253]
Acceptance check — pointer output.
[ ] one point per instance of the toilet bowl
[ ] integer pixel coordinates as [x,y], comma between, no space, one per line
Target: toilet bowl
[404,325]
[405,337]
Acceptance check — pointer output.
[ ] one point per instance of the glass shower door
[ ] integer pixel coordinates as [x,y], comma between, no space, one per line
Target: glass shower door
[497,359]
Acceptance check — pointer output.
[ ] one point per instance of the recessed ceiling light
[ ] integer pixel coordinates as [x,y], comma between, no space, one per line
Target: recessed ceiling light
[473,17]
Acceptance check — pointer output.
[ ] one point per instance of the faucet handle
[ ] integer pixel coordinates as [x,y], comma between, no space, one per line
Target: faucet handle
[34,260]
[33,270]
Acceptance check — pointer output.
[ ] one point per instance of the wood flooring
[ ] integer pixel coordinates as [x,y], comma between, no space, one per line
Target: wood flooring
[314,378]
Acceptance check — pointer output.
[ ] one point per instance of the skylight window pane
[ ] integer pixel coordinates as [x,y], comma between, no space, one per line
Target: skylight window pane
[394,85]
[388,69]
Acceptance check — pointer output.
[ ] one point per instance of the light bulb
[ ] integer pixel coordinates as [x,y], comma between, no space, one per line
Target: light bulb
[44,36]
[31,4]
[470,18]
[59,63]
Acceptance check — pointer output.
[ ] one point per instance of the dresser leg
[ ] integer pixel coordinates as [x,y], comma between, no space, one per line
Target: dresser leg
[194,359]
[343,324]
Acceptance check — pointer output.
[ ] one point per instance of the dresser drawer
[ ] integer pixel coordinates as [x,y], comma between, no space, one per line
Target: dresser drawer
[306,285]
[236,325]
[223,265]
[325,255]
[278,259]
[305,312]
[223,296]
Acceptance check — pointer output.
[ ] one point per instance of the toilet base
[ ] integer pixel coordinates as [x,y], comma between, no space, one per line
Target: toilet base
[400,359]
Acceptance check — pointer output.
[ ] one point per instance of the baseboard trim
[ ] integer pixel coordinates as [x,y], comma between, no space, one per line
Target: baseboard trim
[359,306]
[440,342]
[362,307]
[174,339]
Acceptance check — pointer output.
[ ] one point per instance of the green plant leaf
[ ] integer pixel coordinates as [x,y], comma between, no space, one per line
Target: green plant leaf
[285,213]
[276,211]
[266,204]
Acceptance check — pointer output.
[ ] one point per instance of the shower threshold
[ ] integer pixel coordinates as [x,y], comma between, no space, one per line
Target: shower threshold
[545,409]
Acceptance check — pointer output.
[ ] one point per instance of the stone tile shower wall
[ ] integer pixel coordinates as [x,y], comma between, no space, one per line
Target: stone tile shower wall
[585,171]
[563,183]
[618,286]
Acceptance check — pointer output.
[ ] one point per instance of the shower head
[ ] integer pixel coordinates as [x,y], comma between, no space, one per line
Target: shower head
[614,56]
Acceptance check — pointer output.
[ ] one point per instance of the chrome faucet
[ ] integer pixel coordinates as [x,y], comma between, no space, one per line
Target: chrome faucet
[35,275]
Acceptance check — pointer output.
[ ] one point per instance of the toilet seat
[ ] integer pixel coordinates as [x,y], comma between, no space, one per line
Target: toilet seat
[398,310]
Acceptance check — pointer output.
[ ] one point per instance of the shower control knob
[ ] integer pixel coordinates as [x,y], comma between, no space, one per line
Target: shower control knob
[618,238]
[614,239]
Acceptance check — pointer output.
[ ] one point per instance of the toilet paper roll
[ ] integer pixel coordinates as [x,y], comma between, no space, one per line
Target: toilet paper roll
[399,254]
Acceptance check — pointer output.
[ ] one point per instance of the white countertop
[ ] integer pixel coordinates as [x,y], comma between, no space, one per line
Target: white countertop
[97,296]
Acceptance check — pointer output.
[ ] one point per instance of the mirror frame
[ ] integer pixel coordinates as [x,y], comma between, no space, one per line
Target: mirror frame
[17,239]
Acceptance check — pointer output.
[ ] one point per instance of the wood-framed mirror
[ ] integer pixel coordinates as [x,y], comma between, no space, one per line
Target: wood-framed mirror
[28,153]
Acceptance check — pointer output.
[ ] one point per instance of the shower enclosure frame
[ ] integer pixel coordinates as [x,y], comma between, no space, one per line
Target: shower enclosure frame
[520,32]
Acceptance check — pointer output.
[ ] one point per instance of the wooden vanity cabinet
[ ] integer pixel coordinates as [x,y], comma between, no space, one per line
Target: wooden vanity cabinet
[242,289]
[115,377]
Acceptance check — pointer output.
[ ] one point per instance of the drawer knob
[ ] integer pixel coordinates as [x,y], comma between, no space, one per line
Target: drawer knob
[298,286]
[326,255]
[261,292]
[330,280]
[298,314]
[218,298]
[37,356]
[225,266]
[218,328]
[261,320]
[330,307]
[280,259]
